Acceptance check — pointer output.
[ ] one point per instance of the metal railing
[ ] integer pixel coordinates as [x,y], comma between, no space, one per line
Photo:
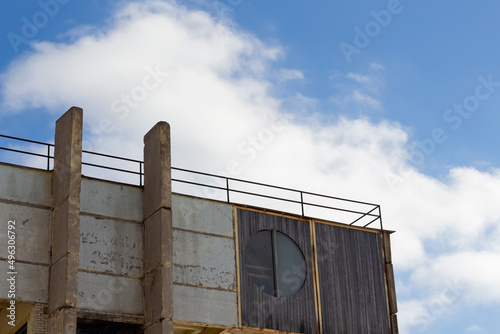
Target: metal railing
[49,156]
[233,190]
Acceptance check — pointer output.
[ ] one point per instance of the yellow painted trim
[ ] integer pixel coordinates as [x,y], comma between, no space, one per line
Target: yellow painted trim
[317,296]
[237,252]
[307,219]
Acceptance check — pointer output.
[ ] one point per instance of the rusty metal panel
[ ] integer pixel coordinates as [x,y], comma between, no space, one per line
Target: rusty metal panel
[204,260]
[32,282]
[205,305]
[27,185]
[32,228]
[351,280]
[109,293]
[202,215]
[111,199]
[110,246]
[295,313]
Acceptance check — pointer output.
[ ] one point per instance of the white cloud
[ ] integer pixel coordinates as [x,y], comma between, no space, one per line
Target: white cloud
[361,98]
[474,329]
[376,67]
[288,74]
[464,268]
[359,91]
[359,78]
[215,88]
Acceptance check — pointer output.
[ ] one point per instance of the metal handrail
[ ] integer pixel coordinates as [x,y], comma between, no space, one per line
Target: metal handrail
[140,172]
[373,210]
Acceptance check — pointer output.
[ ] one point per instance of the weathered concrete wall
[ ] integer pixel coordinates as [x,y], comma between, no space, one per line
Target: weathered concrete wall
[25,197]
[25,185]
[32,282]
[32,230]
[202,215]
[111,247]
[110,199]
[204,261]
[108,293]
[205,305]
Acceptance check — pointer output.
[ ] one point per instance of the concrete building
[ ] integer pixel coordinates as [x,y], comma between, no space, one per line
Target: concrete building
[87,255]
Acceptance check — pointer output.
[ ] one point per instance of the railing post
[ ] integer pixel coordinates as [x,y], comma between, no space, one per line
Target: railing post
[48,156]
[302,202]
[140,173]
[227,188]
[380,217]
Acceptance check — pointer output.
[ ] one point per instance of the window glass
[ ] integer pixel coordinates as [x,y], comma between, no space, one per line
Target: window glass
[259,261]
[275,263]
[291,266]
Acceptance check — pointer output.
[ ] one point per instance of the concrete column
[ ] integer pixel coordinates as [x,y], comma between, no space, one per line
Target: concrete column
[158,253]
[63,286]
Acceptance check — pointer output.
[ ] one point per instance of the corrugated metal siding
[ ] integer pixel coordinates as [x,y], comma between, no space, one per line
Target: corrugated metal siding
[295,313]
[351,280]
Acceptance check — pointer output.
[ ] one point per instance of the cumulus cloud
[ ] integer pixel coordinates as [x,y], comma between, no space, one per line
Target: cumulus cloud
[359,91]
[474,329]
[214,84]
[288,74]
[359,78]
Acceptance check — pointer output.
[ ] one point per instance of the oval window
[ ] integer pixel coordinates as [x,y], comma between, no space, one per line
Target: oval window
[275,263]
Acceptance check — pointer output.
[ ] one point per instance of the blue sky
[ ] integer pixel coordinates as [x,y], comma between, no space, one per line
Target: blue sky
[407,118]
[432,54]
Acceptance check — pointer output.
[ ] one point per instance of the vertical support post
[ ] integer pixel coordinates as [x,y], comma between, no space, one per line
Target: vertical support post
[274,243]
[391,285]
[140,174]
[380,217]
[48,157]
[227,188]
[302,203]
[65,240]
[158,253]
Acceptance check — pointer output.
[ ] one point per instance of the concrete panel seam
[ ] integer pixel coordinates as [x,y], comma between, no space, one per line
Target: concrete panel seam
[204,199]
[63,256]
[31,205]
[107,273]
[159,209]
[158,250]
[90,178]
[202,233]
[64,199]
[161,265]
[28,262]
[160,320]
[103,217]
[158,267]
[204,287]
